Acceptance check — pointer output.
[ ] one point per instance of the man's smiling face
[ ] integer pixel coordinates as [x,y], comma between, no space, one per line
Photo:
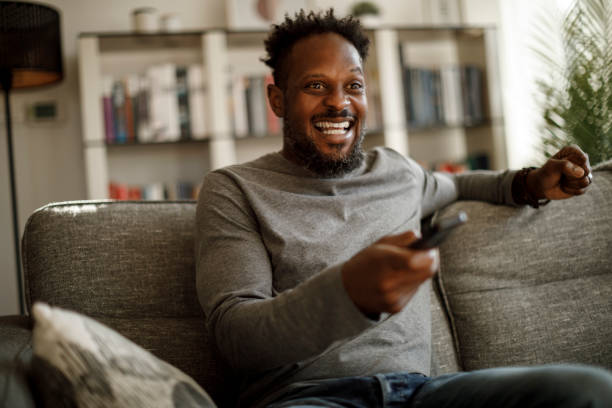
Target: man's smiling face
[324,105]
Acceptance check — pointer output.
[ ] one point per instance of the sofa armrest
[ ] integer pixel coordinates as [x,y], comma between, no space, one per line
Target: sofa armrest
[15,356]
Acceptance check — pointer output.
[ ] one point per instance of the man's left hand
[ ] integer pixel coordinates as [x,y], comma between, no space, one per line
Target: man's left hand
[566,174]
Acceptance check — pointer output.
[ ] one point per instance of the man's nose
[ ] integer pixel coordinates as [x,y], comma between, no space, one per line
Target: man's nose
[336,99]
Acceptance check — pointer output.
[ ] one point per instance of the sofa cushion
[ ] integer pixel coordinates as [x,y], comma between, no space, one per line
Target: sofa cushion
[444,357]
[80,362]
[528,286]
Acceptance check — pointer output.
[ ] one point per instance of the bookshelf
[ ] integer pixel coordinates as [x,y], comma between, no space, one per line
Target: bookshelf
[227,58]
[436,51]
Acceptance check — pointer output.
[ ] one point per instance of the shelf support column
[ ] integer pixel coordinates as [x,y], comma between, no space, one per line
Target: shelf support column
[500,156]
[391,94]
[222,149]
[91,118]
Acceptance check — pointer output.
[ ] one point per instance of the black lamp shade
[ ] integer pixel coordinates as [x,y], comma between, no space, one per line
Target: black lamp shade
[30,44]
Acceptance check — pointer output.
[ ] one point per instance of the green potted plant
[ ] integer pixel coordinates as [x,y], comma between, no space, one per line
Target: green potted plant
[577,96]
[367,12]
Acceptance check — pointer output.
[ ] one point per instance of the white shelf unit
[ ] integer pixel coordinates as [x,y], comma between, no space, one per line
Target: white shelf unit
[125,53]
[224,53]
[437,47]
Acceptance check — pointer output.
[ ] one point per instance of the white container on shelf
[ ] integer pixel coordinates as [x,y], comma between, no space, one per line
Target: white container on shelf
[171,23]
[145,20]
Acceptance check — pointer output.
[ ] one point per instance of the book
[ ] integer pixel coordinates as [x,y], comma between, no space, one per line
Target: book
[239,107]
[184,190]
[471,82]
[451,167]
[107,104]
[144,129]
[451,95]
[153,191]
[134,193]
[272,121]
[408,106]
[256,106]
[426,98]
[157,109]
[130,85]
[478,161]
[180,190]
[167,77]
[197,102]
[118,104]
[416,96]
[182,95]
[476,91]
[163,104]
[437,97]
[118,191]
[374,119]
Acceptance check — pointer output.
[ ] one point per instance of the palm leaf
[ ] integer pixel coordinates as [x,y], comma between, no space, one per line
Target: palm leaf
[577,103]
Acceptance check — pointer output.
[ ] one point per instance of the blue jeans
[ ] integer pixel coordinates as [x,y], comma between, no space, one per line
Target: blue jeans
[521,387]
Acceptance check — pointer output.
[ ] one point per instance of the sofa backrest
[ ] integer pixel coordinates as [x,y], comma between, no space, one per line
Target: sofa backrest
[528,286]
[130,265]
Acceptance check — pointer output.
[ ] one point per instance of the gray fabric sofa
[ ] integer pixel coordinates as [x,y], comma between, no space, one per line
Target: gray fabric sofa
[517,286]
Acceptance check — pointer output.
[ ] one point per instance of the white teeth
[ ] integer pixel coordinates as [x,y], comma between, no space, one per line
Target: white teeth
[334,131]
[341,125]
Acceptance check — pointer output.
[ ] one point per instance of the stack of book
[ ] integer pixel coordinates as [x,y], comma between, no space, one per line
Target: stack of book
[155,191]
[250,109]
[441,95]
[446,96]
[164,104]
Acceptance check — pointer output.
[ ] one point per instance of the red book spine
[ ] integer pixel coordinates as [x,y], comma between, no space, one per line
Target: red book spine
[134,193]
[113,191]
[122,192]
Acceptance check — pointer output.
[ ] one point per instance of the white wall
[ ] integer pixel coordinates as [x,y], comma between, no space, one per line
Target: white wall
[519,21]
[49,157]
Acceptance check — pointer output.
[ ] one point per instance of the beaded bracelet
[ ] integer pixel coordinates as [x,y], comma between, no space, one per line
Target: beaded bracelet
[520,192]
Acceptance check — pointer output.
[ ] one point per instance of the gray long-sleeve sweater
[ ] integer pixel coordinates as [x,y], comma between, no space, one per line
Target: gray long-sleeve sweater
[270,243]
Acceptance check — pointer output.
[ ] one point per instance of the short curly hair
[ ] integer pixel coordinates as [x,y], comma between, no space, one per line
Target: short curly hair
[283,36]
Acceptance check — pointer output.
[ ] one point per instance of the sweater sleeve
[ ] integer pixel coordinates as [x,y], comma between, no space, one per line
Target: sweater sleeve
[441,189]
[485,185]
[255,328]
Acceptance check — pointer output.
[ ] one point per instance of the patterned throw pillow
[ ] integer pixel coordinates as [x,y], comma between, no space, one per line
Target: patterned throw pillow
[79,362]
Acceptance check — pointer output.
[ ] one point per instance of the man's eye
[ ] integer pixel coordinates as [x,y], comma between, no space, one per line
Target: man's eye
[356,86]
[315,85]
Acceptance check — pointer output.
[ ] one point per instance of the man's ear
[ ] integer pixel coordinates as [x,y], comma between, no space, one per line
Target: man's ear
[276,99]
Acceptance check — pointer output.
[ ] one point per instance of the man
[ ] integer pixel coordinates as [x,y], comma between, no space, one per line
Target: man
[302,267]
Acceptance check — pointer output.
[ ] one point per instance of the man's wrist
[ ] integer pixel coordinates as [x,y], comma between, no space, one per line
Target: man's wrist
[523,192]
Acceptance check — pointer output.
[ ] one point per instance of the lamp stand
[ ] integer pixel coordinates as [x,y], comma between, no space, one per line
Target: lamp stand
[6,79]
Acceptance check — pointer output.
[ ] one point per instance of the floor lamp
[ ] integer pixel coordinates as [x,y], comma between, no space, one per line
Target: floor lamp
[30,56]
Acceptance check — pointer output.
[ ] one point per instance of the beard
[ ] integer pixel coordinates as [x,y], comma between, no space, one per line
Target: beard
[306,152]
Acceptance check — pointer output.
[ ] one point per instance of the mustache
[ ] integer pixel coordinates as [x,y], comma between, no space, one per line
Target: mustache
[330,114]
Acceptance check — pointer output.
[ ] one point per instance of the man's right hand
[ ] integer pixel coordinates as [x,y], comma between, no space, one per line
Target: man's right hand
[385,276]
